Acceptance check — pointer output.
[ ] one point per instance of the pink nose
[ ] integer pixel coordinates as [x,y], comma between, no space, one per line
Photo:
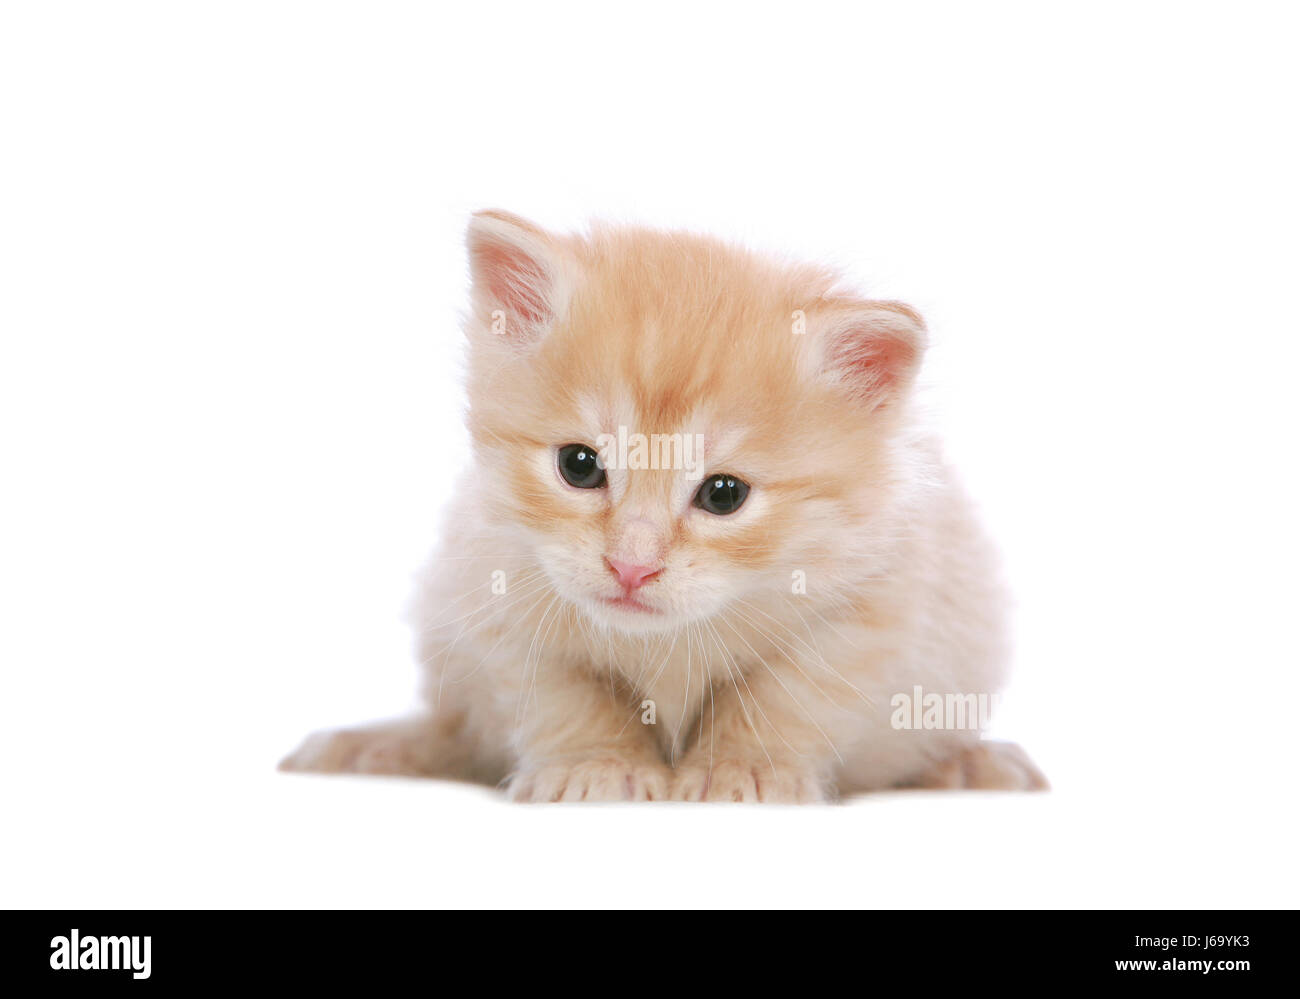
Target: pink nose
[632,576]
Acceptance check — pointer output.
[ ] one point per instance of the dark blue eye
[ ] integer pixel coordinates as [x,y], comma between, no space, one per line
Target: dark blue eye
[579,466]
[721,494]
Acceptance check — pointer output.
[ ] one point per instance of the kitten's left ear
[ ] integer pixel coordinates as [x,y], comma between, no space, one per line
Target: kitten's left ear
[521,276]
[871,349]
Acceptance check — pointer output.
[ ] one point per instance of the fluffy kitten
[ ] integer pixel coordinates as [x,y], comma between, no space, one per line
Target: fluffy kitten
[600,630]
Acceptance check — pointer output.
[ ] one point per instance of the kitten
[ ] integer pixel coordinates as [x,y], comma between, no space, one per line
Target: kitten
[705,551]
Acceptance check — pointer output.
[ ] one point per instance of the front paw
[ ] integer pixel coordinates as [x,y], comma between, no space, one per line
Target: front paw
[748,781]
[591,778]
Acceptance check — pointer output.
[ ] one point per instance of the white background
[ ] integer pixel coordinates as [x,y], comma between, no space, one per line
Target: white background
[230,277]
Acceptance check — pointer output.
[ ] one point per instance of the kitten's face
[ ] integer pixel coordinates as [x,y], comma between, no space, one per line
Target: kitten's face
[740,414]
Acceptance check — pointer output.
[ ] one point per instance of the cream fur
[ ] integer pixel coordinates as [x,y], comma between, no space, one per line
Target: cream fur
[759,693]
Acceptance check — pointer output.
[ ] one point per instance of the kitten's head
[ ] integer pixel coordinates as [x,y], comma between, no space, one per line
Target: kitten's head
[677,426]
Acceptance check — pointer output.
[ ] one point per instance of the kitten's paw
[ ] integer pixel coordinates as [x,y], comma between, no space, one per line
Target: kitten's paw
[747,781]
[404,749]
[597,778]
[988,766]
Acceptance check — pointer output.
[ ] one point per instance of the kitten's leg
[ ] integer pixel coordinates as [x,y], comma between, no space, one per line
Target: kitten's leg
[986,766]
[419,746]
[765,738]
[576,740]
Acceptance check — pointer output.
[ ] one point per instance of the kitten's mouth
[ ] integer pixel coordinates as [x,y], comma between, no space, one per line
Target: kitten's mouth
[628,603]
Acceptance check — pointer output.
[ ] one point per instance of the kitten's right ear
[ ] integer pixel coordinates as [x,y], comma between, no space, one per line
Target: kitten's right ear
[520,277]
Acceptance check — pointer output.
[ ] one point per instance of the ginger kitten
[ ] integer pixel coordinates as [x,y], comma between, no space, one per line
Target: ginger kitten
[705,551]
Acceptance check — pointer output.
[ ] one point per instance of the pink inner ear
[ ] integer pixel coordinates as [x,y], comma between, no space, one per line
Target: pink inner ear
[873,360]
[517,281]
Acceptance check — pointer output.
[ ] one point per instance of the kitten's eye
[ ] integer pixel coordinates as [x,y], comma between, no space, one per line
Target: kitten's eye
[578,465]
[722,494]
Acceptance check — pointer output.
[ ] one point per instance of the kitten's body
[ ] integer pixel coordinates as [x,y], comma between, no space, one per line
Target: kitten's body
[777,636]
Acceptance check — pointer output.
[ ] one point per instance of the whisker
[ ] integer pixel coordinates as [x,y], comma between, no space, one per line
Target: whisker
[526,694]
[492,599]
[833,628]
[821,660]
[521,617]
[686,700]
[738,672]
[797,702]
[778,644]
[445,652]
[644,688]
